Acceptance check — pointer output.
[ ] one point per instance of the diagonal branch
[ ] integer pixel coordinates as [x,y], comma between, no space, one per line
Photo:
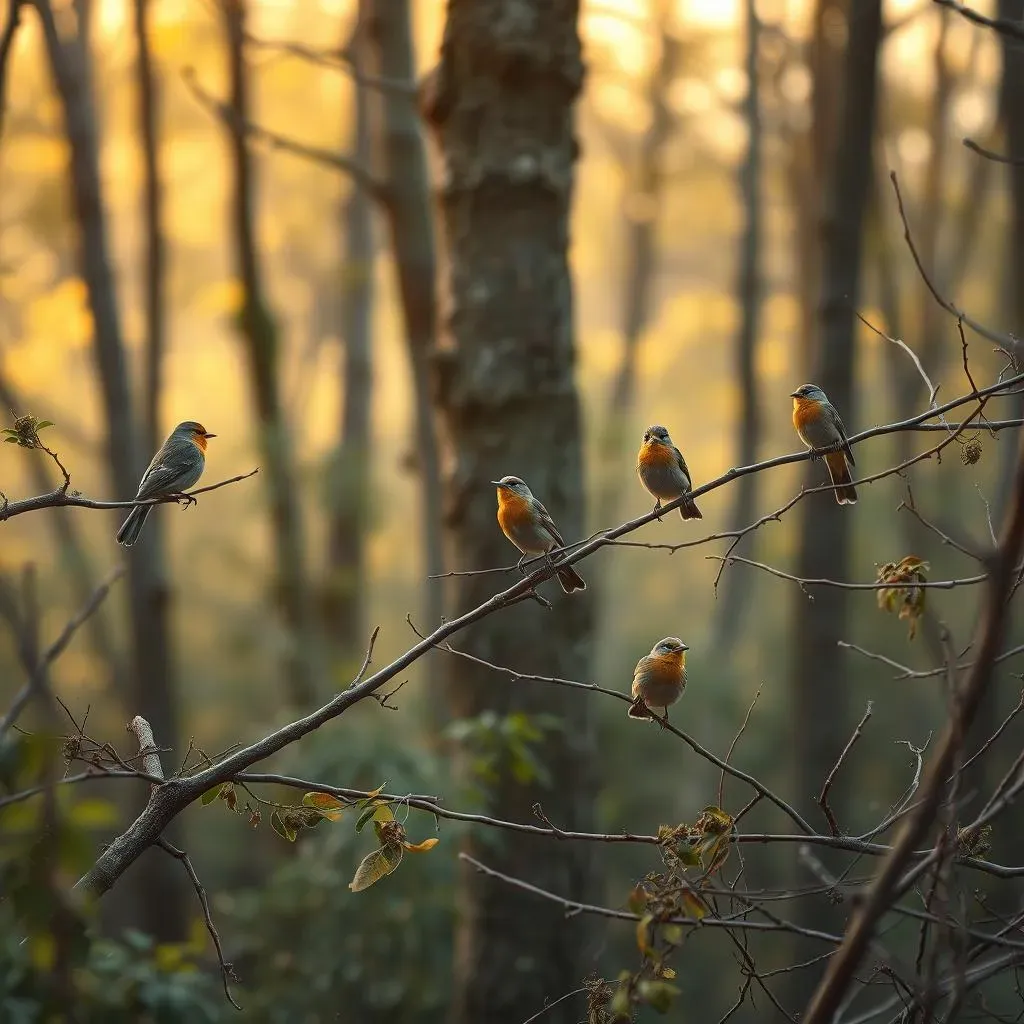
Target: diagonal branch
[888,884]
[327,158]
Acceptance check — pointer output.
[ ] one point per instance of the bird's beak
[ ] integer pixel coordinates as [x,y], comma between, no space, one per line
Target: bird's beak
[497,483]
[683,647]
[795,394]
[209,435]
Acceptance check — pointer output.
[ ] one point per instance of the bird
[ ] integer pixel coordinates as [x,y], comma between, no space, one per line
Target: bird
[662,470]
[820,428]
[175,468]
[659,679]
[526,522]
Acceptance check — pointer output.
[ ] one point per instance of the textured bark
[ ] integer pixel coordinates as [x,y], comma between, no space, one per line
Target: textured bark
[821,725]
[410,219]
[735,590]
[152,217]
[261,348]
[349,487]
[160,892]
[501,102]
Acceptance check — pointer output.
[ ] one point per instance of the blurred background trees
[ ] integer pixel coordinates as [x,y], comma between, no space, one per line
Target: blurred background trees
[225,211]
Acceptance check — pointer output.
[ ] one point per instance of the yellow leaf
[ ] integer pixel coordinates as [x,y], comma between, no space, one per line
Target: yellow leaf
[329,806]
[643,933]
[375,866]
[693,905]
[427,844]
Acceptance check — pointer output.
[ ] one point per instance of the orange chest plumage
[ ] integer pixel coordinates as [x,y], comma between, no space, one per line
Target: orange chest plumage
[666,665]
[200,442]
[654,454]
[513,511]
[805,412]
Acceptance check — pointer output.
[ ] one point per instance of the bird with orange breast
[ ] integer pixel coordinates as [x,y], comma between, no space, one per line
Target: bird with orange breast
[820,428]
[659,679]
[662,470]
[526,522]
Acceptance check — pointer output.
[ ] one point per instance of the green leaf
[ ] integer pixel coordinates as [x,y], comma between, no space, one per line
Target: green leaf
[375,866]
[364,818]
[44,423]
[283,827]
[210,795]
[619,1005]
[659,995]
[330,807]
[672,934]
[11,440]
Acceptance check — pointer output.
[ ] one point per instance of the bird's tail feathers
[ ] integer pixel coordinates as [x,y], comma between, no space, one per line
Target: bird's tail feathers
[570,579]
[132,526]
[689,510]
[839,471]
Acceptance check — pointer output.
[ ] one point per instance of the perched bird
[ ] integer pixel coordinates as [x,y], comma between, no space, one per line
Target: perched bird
[659,678]
[820,428]
[525,521]
[174,469]
[663,471]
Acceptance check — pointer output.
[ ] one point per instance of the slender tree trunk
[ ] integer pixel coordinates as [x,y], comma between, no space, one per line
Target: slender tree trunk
[502,104]
[350,482]
[407,207]
[820,722]
[159,893]
[152,214]
[261,347]
[735,589]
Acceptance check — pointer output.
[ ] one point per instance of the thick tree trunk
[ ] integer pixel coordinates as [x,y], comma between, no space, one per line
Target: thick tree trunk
[344,588]
[261,338]
[734,593]
[820,723]
[502,103]
[160,892]
[407,207]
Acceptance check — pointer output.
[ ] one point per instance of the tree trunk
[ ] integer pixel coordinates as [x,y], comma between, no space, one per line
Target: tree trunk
[735,590]
[502,103]
[407,206]
[160,895]
[261,338]
[154,263]
[349,487]
[820,722]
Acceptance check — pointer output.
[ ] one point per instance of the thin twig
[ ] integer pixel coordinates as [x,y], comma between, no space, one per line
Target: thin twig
[823,796]
[735,740]
[227,970]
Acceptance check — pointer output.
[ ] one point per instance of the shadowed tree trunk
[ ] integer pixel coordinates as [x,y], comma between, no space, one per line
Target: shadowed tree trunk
[407,207]
[349,484]
[501,103]
[735,590]
[154,263]
[820,722]
[159,895]
[261,348]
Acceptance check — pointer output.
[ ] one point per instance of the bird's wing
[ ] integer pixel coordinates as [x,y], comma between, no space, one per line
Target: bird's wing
[842,433]
[165,469]
[682,465]
[548,523]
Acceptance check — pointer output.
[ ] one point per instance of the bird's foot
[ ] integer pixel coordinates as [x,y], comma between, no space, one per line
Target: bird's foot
[184,499]
[657,510]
